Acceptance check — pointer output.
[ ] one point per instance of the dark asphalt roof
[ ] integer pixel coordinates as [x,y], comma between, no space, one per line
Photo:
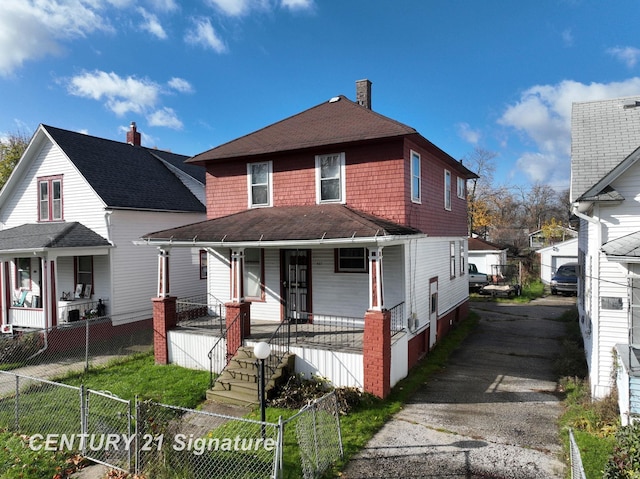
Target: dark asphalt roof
[286,223]
[50,235]
[127,176]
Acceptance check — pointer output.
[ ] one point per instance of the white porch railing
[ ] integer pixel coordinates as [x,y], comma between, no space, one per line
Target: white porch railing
[26,317]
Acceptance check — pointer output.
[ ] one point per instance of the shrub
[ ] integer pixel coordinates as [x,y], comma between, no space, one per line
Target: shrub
[625,460]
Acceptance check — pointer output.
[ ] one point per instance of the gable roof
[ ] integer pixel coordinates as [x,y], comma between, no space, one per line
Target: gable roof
[477,244]
[603,134]
[285,223]
[337,121]
[129,177]
[42,236]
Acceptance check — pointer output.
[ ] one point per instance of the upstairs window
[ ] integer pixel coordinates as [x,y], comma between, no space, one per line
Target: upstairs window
[416,178]
[50,199]
[330,185]
[259,178]
[461,188]
[447,190]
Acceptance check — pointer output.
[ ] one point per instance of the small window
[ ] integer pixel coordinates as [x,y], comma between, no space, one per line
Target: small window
[23,273]
[259,178]
[253,285]
[462,267]
[461,188]
[452,258]
[351,260]
[330,184]
[203,264]
[50,199]
[84,272]
[416,178]
[447,190]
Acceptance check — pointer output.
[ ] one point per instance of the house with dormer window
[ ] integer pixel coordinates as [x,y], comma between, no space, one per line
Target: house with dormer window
[69,214]
[336,215]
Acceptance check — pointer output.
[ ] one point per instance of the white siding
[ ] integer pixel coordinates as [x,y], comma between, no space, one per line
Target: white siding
[342,369]
[190,350]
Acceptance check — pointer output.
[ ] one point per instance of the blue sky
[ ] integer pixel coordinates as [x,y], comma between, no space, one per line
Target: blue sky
[500,75]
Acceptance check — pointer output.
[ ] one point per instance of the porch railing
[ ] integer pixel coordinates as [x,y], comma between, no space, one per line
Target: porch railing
[280,341]
[397,318]
[203,311]
[329,331]
[82,309]
[219,356]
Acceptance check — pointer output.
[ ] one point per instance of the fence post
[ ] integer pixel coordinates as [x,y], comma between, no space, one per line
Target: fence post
[84,420]
[17,406]
[86,345]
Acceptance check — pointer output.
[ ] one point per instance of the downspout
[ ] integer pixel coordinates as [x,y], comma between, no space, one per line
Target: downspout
[594,331]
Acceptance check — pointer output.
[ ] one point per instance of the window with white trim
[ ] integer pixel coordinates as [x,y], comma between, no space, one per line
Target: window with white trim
[259,179]
[253,285]
[330,181]
[462,267]
[50,199]
[203,264]
[84,273]
[461,187]
[23,273]
[447,190]
[416,178]
[452,259]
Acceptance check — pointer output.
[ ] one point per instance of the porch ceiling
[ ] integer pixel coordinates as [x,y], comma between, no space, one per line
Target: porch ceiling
[286,223]
[41,236]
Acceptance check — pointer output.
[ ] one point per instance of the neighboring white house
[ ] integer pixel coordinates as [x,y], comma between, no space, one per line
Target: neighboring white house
[554,256]
[538,239]
[605,193]
[68,216]
[486,256]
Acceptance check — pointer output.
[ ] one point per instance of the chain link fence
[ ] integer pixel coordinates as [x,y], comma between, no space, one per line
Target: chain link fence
[167,442]
[76,346]
[577,471]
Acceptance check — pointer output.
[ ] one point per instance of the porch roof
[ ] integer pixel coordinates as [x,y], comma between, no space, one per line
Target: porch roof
[626,246]
[312,223]
[43,236]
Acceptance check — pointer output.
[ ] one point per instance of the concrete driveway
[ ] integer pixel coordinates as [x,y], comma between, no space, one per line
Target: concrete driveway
[490,414]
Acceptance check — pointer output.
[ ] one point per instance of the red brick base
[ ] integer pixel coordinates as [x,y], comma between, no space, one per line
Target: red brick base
[377,353]
[237,330]
[164,319]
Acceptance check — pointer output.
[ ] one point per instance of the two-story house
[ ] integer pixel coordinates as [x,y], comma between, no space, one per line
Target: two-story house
[69,214]
[337,212]
[605,185]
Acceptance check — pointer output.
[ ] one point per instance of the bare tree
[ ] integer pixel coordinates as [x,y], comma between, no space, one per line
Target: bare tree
[480,161]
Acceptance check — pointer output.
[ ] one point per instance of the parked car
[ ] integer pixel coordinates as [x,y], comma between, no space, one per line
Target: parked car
[565,279]
[476,279]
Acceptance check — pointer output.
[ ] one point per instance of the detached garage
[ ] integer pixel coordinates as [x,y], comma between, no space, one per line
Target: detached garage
[554,256]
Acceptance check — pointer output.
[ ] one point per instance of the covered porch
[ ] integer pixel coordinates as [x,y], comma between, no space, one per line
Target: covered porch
[52,273]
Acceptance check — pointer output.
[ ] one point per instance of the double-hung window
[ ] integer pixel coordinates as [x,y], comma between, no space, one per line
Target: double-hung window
[50,199]
[23,273]
[447,190]
[259,179]
[84,274]
[462,266]
[416,178]
[330,181]
[452,259]
[253,273]
[461,187]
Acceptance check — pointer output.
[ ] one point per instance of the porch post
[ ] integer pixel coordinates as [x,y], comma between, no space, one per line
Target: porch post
[5,300]
[237,275]
[376,302]
[164,319]
[377,352]
[163,272]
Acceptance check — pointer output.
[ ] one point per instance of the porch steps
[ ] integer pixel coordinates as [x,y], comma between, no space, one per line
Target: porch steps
[238,383]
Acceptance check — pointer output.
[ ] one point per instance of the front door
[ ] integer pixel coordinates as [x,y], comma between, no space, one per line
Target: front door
[296,285]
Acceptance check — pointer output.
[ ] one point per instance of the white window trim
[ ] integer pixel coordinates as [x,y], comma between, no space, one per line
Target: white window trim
[269,185]
[452,259]
[343,183]
[447,190]
[416,198]
[461,187]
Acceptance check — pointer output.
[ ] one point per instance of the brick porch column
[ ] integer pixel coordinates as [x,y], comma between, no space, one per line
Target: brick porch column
[377,352]
[238,330]
[164,319]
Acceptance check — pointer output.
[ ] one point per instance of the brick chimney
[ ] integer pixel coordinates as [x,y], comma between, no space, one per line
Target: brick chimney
[363,93]
[133,137]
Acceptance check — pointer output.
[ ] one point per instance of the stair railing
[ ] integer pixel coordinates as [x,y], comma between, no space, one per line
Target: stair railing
[280,341]
[220,353]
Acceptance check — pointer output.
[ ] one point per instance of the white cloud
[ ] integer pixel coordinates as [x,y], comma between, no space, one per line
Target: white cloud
[181,85]
[152,25]
[543,117]
[235,8]
[205,36]
[162,5]
[297,4]
[567,38]
[165,117]
[467,133]
[31,29]
[627,55]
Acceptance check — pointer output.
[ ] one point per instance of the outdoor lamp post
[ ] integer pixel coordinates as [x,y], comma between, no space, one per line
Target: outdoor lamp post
[262,351]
